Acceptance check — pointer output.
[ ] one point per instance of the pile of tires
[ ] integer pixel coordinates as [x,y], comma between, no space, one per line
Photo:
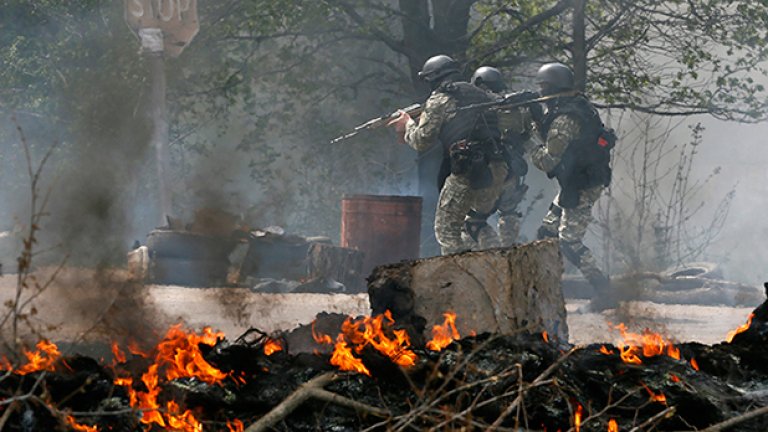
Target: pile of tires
[188,258]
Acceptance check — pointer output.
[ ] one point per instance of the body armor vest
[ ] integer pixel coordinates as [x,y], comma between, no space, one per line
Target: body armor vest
[478,128]
[586,160]
[471,125]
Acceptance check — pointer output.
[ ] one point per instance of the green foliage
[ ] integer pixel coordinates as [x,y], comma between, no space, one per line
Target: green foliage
[255,98]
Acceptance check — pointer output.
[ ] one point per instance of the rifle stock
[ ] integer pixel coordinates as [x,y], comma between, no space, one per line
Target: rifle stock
[374,123]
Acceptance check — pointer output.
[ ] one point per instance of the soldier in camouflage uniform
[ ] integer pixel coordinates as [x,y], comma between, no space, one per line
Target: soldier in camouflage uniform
[577,153]
[473,170]
[516,125]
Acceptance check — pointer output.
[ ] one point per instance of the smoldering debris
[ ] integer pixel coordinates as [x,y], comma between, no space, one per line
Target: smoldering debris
[483,382]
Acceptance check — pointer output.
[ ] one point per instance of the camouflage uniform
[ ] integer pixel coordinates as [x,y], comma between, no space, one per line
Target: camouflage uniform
[457,195]
[568,223]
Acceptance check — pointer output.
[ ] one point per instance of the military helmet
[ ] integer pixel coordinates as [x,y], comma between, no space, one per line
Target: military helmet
[490,78]
[554,77]
[438,67]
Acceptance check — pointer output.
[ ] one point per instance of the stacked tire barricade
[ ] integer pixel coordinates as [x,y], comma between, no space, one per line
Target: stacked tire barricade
[217,249]
[701,283]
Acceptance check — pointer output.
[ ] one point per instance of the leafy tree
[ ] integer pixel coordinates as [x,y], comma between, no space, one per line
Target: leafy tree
[265,84]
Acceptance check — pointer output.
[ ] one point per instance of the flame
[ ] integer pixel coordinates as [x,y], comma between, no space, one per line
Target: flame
[655,397]
[235,426]
[545,336]
[178,355]
[742,328]
[43,359]
[443,335]
[356,334]
[319,337]
[134,349]
[605,350]
[272,346]
[185,422]
[342,354]
[613,426]
[694,364]
[343,358]
[71,422]
[647,344]
[674,377]
[577,417]
[119,356]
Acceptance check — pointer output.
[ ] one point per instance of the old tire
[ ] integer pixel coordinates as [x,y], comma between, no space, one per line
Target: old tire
[188,245]
[187,272]
[690,276]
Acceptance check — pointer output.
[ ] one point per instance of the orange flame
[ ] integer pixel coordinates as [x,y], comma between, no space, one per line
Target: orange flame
[604,350]
[647,344]
[5,364]
[613,426]
[674,378]
[545,336]
[356,334]
[272,346]
[235,426]
[443,335]
[134,349]
[43,359]
[119,356]
[185,422]
[71,422]
[179,356]
[655,397]
[342,354]
[577,417]
[319,337]
[343,358]
[742,328]
[694,364]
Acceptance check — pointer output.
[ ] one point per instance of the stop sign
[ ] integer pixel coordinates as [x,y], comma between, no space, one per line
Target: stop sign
[176,18]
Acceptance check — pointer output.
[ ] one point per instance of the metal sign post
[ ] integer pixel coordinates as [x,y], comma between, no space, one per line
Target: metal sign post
[164,27]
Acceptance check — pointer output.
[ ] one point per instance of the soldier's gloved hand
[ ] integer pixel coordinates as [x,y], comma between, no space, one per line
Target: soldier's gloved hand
[399,124]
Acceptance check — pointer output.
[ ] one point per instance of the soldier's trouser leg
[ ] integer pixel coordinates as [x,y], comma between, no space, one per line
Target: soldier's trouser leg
[456,199]
[479,232]
[509,217]
[550,225]
[573,226]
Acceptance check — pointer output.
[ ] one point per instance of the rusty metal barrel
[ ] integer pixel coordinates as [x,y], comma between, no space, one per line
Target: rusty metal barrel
[387,228]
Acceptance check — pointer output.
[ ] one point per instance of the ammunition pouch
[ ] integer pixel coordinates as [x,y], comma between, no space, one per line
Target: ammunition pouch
[470,159]
[474,223]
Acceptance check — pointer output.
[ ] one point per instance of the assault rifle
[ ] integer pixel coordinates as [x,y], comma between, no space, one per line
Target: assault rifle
[412,110]
[513,100]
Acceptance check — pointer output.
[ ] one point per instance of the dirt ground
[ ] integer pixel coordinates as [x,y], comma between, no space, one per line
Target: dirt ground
[87,306]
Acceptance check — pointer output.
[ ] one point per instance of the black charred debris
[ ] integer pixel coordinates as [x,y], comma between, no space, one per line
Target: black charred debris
[484,382]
